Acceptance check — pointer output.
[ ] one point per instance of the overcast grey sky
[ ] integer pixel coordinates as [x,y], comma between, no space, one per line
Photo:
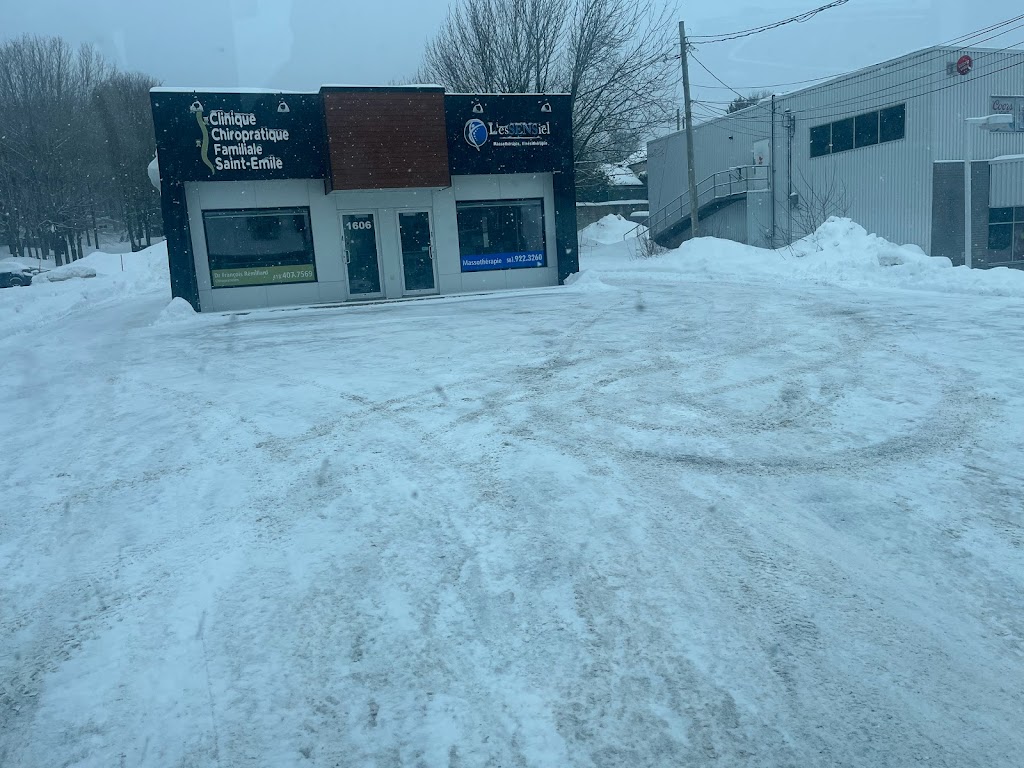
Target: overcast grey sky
[300,44]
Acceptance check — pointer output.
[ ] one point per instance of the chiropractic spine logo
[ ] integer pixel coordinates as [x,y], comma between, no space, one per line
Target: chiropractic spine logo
[475,133]
[204,143]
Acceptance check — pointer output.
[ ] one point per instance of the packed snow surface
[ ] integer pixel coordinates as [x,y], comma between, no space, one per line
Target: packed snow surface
[719,507]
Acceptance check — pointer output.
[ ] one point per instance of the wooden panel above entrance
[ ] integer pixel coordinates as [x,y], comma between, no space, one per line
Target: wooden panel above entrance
[385,138]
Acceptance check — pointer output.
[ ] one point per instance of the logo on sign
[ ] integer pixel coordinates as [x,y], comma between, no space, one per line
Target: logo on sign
[475,133]
[964,64]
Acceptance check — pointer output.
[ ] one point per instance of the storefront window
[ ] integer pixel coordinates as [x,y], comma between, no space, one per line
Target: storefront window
[501,234]
[268,246]
[1005,235]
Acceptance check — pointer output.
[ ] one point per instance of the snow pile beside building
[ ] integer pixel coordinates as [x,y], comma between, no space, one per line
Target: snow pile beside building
[176,311]
[145,272]
[840,252]
[610,230]
[68,272]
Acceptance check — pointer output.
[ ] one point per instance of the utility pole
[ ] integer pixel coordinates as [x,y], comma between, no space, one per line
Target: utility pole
[691,173]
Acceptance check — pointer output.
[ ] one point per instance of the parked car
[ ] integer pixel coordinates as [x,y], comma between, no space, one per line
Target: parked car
[14,276]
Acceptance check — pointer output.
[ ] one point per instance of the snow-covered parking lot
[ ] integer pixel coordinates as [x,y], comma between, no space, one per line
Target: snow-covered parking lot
[723,507]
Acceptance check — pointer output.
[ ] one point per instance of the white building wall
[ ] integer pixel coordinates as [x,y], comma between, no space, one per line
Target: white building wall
[325,220]
[718,145]
[887,187]
[995,73]
[330,285]
[513,186]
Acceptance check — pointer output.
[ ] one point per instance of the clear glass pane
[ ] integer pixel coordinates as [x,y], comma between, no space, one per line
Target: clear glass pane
[866,129]
[1018,242]
[259,247]
[501,234]
[892,123]
[821,140]
[842,135]
[359,231]
[1000,237]
[1000,215]
[417,258]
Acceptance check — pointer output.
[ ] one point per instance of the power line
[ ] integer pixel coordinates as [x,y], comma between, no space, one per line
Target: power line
[699,62]
[896,89]
[798,19]
[834,114]
[771,85]
[893,90]
[966,40]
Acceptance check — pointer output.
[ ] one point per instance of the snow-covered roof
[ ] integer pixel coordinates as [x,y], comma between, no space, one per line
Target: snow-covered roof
[552,93]
[211,89]
[408,86]
[640,156]
[620,176]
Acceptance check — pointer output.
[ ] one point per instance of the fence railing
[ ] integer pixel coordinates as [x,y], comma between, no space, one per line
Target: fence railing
[723,184]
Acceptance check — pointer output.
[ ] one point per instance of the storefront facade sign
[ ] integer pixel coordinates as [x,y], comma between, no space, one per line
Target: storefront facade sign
[511,133]
[239,136]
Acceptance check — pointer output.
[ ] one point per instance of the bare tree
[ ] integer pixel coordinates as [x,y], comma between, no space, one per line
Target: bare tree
[818,200]
[126,132]
[75,140]
[742,102]
[45,156]
[815,201]
[616,58]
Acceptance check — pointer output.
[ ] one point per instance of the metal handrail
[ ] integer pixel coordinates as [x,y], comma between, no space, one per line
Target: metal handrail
[729,183]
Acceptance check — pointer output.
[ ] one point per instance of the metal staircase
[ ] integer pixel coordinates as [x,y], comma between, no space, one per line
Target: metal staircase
[714,192]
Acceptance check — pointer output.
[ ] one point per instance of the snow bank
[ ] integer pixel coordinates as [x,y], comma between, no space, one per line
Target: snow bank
[145,272]
[588,281]
[67,272]
[176,311]
[609,230]
[840,252]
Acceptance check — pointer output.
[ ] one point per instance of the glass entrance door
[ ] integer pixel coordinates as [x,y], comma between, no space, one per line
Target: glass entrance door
[362,257]
[417,252]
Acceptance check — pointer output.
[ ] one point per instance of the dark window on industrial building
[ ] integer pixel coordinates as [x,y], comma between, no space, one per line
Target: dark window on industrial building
[821,140]
[1005,235]
[864,130]
[842,135]
[892,123]
[501,234]
[267,246]
[867,129]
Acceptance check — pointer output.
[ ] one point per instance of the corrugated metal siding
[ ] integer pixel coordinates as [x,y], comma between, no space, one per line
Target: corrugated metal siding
[718,145]
[666,170]
[1007,183]
[994,74]
[886,187]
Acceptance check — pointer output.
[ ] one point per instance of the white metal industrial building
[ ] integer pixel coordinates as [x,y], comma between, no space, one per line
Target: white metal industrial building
[886,146]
